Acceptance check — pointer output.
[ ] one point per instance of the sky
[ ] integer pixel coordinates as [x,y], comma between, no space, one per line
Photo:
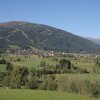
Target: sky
[80,17]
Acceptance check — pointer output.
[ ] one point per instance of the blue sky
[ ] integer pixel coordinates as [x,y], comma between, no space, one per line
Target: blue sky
[81,17]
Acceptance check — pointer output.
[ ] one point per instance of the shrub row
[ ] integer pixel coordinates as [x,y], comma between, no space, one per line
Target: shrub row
[80,86]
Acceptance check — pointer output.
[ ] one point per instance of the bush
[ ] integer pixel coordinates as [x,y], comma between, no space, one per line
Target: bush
[43,85]
[15,76]
[18,60]
[42,64]
[55,59]
[52,85]
[24,74]
[49,83]
[9,68]
[3,61]
[2,75]
[75,86]
[15,81]
[81,71]
[32,82]
[87,85]
[6,81]
[96,89]
[80,86]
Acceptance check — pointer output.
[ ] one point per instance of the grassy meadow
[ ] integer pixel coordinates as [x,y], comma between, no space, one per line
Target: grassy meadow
[25,94]
[32,61]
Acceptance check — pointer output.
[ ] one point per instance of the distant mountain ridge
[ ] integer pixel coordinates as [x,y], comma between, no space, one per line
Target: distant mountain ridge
[94,40]
[30,35]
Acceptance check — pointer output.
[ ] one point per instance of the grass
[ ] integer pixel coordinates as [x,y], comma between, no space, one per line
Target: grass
[31,62]
[25,94]
[87,65]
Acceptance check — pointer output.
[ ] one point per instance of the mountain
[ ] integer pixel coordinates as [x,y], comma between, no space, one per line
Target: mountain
[30,35]
[94,40]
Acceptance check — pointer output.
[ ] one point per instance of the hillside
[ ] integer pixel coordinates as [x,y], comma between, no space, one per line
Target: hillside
[27,35]
[94,40]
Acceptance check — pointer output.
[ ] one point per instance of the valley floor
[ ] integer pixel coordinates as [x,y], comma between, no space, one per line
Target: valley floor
[84,62]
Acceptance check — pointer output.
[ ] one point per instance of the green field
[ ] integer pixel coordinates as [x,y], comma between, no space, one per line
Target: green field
[25,94]
[32,61]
